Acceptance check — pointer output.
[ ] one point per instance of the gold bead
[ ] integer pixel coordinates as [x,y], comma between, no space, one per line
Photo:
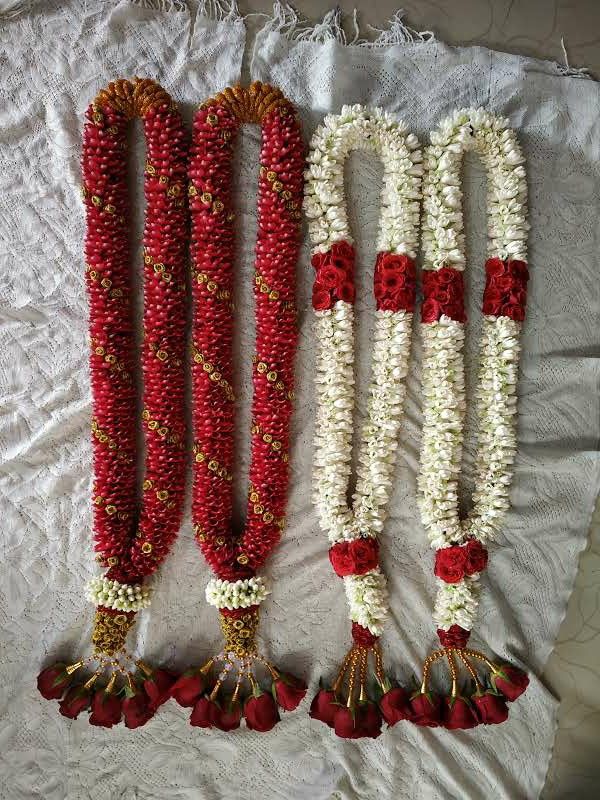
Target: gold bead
[206,198]
[242,559]
[162,355]
[146,548]
[110,510]
[272,375]
[147,485]
[162,494]
[112,561]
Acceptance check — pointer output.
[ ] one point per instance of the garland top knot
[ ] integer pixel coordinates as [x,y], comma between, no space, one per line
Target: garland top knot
[250,104]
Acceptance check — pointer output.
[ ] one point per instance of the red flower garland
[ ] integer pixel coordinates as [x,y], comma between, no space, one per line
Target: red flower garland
[235,556]
[132,539]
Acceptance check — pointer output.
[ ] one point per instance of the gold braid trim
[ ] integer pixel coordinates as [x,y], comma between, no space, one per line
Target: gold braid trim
[239,633]
[250,103]
[133,98]
[110,632]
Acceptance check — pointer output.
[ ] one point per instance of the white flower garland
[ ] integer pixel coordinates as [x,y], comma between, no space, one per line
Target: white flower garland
[443,367]
[102,591]
[236,594]
[358,128]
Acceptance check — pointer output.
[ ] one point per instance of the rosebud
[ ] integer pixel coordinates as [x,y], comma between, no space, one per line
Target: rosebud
[289,691]
[53,681]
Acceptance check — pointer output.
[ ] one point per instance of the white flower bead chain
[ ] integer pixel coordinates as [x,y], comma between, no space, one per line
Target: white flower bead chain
[443,339]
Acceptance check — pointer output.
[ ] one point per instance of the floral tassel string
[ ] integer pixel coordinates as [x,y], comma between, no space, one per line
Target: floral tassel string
[461,555]
[349,706]
[131,539]
[227,687]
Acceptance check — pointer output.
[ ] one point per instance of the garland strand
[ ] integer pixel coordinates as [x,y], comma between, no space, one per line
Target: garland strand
[353,531]
[235,557]
[459,543]
[132,537]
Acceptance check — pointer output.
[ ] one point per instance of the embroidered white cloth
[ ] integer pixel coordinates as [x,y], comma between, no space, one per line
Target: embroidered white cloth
[54,57]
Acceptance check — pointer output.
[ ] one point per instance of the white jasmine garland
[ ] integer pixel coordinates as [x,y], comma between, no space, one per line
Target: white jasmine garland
[119,596]
[236,594]
[367,597]
[443,366]
[359,128]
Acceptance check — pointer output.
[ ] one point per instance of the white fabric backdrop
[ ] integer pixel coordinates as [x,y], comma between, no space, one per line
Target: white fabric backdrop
[54,57]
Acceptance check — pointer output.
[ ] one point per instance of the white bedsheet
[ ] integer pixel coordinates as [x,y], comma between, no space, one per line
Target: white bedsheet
[53,58]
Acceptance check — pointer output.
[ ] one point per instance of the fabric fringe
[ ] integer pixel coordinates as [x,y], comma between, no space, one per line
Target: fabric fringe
[161,5]
[219,10]
[15,9]
[288,23]
[567,70]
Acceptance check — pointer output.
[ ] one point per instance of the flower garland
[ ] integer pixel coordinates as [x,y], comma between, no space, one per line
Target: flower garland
[236,556]
[459,543]
[131,539]
[354,552]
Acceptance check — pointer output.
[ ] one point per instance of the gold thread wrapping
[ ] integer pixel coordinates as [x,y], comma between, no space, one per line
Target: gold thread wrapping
[239,633]
[133,98]
[250,103]
[110,632]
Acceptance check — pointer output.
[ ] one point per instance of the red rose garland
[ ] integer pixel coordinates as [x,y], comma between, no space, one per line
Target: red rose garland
[461,555]
[131,539]
[236,556]
[348,707]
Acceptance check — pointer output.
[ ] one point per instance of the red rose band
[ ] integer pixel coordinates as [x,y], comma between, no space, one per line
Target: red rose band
[355,557]
[394,279]
[505,292]
[453,563]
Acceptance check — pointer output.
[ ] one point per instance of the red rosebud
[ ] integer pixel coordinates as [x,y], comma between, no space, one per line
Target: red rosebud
[289,691]
[365,554]
[158,687]
[476,557]
[426,709]
[511,681]
[341,559]
[343,251]
[106,709]
[370,720]
[136,710]
[495,267]
[324,706]
[450,563]
[430,311]
[395,706]
[518,269]
[331,277]
[347,292]
[261,713]
[321,298]
[76,700]
[445,276]
[491,708]
[318,260]
[187,689]
[345,723]
[53,681]
[228,718]
[205,713]
[459,714]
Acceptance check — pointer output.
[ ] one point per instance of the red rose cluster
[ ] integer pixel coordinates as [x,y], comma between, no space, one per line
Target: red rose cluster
[454,562]
[280,186]
[395,282]
[355,557]
[259,710]
[505,288]
[117,516]
[425,709]
[335,276]
[443,293]
[135,704]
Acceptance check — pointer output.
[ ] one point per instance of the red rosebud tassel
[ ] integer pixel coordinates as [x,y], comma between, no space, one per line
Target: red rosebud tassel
[426,709]
[228,718]
[491,708]
[260,712]
[370,720]
[324,707]
[157,686]
[289,691]
[76,700]
[458,713]
[106,709]
[53,681]
[205,713]
[188,689]
[395,706]
[345,723]
[136,709]
[511,681]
